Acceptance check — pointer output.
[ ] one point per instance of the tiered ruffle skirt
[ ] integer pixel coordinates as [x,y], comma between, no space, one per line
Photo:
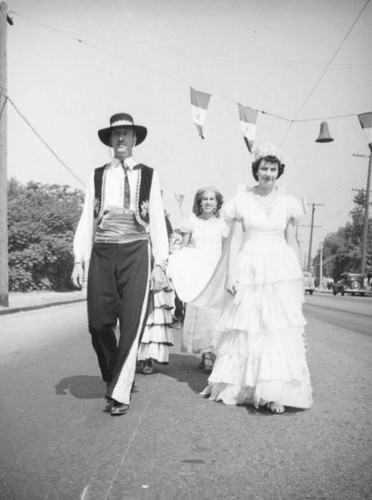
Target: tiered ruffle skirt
[261,355]
[158,335]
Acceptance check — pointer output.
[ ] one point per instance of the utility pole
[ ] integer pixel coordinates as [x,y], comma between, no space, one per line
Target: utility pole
[366,215]
[321,266]
[305,267]
[311,232]
[4,284]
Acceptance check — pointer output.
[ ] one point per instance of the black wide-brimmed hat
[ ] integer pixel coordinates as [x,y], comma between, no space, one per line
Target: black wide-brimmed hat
[122,120]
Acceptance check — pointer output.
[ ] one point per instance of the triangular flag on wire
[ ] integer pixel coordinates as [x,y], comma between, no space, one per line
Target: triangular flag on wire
[248,119]
[366,123]
[179,198]
[199,105]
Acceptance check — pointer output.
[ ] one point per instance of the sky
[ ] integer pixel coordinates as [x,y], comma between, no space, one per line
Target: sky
[74,63]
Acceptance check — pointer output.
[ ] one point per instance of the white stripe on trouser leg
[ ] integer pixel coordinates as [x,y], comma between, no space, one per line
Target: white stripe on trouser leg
[123,386]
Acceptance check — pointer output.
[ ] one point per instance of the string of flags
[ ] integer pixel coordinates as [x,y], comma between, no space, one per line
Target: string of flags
[248,120]
[199,106]
[365,120]
[179,197]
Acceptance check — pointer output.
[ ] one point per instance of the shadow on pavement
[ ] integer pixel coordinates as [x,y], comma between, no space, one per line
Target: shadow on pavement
[184,368]
[264,411]
[81,387]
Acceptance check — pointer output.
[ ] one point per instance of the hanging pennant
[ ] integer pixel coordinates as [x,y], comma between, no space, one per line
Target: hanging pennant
[179,198]
[199,105]
[366,123]
[248,119]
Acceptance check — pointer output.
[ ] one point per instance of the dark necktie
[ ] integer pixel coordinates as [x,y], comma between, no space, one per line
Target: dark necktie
[126,187]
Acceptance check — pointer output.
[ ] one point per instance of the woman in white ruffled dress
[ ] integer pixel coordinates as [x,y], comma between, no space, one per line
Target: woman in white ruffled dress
[261,356]
[191,268]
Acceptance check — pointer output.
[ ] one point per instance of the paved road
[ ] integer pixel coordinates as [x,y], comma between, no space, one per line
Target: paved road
[58,443]
[353,313]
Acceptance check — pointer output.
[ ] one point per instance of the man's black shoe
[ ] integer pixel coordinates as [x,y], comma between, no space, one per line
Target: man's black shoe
[119,409]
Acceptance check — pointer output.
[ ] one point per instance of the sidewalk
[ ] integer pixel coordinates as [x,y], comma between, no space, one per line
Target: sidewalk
[36,300]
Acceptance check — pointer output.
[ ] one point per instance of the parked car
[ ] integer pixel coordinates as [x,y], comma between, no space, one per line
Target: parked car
[309,282]
[350,283]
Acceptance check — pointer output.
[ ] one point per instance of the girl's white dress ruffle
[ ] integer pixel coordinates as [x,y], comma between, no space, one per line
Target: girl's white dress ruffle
[158,335]
[261,350]
[191,267]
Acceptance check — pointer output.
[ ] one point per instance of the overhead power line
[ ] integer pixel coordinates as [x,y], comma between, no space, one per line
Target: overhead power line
[163,48]
[337,211]
[80,40]
[43,141]
[331,60]
[325,70]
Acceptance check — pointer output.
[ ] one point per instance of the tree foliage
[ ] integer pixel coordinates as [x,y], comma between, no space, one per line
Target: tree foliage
[342,249]
[41,223]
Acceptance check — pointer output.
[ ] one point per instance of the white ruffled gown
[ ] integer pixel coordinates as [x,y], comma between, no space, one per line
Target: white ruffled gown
[190,269]
[261,350]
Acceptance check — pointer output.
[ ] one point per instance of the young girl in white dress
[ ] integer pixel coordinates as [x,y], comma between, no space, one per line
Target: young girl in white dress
[191,268]
[261,355]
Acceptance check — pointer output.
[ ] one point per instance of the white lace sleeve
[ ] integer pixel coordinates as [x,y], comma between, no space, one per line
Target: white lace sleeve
[187,225]
[234,209]
[295,208]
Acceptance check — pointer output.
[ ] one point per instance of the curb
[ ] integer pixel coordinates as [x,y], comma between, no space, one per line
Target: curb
[12,310]
[367,293]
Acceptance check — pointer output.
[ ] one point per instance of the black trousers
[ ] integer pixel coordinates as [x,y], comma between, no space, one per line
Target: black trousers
[118,289]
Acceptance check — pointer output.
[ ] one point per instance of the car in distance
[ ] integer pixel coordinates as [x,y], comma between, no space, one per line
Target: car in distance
[309,282]
[352,283]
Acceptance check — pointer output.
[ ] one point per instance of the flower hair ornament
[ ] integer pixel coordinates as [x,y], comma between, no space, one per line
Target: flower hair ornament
[265,150]
[270,153]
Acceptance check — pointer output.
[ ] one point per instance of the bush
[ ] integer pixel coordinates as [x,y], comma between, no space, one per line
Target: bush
[41,225]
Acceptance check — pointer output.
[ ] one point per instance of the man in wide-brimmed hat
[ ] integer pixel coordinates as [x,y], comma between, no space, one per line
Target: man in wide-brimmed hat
[123,214]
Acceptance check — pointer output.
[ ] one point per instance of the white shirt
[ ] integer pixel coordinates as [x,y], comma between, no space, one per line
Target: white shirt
[114,198]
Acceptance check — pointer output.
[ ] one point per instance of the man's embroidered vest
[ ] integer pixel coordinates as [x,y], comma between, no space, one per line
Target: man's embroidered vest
[142,194]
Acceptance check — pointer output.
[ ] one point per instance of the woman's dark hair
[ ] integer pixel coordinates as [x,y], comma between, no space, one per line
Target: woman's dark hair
[199,196]
[270,159]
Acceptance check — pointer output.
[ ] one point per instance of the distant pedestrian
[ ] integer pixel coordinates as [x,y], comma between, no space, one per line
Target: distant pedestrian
[329,283]
[261,352]
[123,213]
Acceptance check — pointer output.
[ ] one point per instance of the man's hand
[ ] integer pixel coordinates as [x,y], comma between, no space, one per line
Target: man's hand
[77,275]
[157,279]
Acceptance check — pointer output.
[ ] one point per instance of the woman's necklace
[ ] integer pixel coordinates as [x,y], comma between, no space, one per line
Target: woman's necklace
[265,202]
